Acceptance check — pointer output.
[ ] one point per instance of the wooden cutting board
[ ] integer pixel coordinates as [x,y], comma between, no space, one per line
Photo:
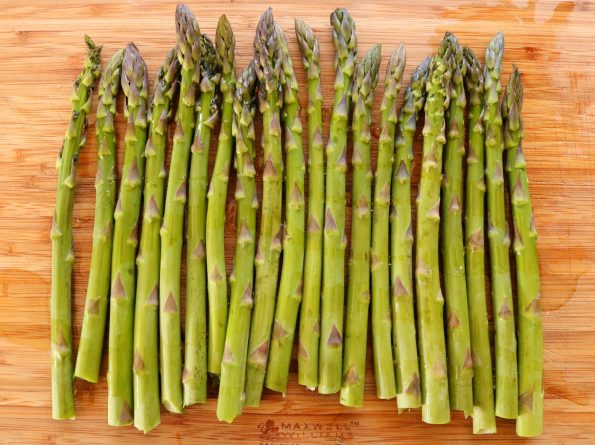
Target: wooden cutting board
[42,52]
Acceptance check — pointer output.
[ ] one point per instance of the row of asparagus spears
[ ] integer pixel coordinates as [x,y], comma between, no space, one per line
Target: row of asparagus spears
[431,352]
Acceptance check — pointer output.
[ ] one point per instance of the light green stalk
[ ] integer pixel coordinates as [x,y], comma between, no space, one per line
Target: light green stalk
[309,330]
[145,366]
[61,235]
[233,366]
[188,52]
[194,376]
[530,420]
[384,363]
[217,197]
[404,336]
[268,69]
[335,241]
[291,284]
[88,359]
[135,86]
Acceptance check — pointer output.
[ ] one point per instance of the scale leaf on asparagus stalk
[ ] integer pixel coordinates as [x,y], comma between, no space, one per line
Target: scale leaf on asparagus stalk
[61,235]
[88,359]
[188,53]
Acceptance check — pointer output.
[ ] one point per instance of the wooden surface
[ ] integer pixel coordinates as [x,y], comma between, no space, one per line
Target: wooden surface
[42,52]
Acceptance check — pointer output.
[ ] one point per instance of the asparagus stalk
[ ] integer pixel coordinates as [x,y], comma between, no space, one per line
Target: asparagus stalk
[135,86]
[233,366]
[88,360]
[403,320]
[194,376]
[145,366]
[217,197]
[384,369]
[484,421]
[61,235]
[358,291]
[506,349]
[291,284]
[530,419]
[430,302]
[333,281]
[268,61]
[460,361]
[188,53]
[309,330]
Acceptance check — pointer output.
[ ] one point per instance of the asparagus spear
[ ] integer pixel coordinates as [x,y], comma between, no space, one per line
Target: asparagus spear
[484,421]
[358,292]
[460,361]
[146,333]
[194,376]
[434,380]
[268,60]
[384,369]
[188,53]
[233,366]
[217,197]
[309,330]
[61,235]
[88,360]
[291,284]
[530,419]
[135,86]
[506,358]
[333,281]
[404,340]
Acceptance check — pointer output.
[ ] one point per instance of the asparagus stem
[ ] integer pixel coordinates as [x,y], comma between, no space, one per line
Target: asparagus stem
[530,419]
[430,302]
[484,421]
[135,86]
[291,284]
[145,366]
[61,235]
[335,241]
[233,366]
[217,197]
[460,360]
[309,330]
[384,368]
[188,53]
[194,376]
[268,61]
[358,292]
[88,360]
[506,349]
[403,320]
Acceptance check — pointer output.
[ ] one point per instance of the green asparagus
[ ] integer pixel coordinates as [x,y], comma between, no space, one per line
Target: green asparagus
[61,235]
[358,291]
[309,330]
[268,68]
[88,360]
[506,349]
[430,302]
[335,241]
[188,53]
[217,197]
[145,366]
[403,321]
[530,419]
[291,284]
[484,421]
[233,366]
[384,369]
[194,376]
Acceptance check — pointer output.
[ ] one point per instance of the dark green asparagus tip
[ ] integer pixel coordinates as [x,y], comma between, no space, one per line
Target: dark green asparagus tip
[188,33]
[344,34]
[473,76]
[209,63]
[94,51]
[307,40]
[225,44]
[512,104]
[245,85]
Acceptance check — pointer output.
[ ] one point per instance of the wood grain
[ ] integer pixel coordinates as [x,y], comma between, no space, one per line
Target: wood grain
[42,51]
